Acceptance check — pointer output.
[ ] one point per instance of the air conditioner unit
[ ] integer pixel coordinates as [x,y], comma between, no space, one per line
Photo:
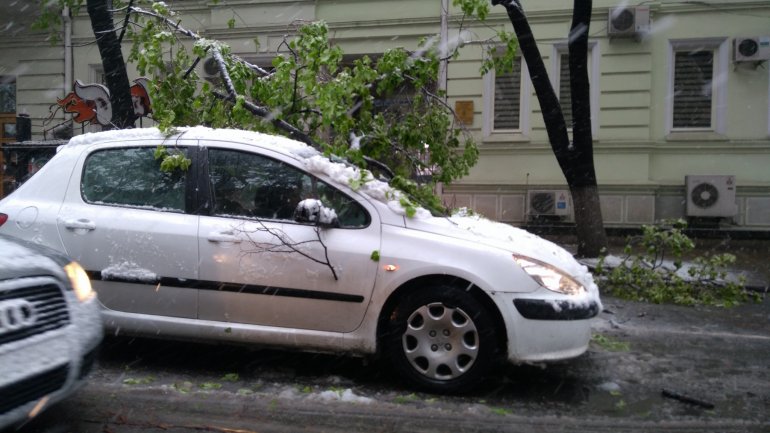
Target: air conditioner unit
[549,203]
[711,196]
[210,69]
[628,21]
[753,49]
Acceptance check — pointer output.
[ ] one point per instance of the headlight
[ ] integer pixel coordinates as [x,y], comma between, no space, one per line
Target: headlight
[81,284]
[548,276]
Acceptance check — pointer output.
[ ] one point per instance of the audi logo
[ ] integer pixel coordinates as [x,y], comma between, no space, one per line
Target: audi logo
[16,314]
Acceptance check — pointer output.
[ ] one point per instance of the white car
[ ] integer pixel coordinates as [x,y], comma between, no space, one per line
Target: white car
[264,240]
[50,328]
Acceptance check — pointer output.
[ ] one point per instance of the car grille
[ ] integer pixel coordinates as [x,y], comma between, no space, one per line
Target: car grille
[33,388]
[50,307]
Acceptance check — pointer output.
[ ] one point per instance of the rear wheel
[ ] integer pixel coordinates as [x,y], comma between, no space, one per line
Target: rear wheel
[441,339]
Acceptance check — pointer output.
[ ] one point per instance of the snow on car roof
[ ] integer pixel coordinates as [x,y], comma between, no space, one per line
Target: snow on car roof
[313,160]
[276,142]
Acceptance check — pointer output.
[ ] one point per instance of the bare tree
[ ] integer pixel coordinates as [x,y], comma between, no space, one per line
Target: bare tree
[116,77]
[575,158]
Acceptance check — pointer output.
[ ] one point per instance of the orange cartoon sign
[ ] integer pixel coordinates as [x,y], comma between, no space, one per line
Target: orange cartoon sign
[91,102]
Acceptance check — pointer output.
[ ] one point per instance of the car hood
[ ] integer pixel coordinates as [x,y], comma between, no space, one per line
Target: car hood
[20,258]
[480,230]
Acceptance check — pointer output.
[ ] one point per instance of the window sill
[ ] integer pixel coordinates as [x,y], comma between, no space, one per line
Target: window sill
[506,137]
[695,136]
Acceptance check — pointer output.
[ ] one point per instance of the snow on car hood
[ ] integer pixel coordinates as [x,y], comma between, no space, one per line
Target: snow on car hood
[16,257]
[515,240]
[463,225]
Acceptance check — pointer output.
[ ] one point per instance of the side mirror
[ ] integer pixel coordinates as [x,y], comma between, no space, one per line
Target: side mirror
[312,211]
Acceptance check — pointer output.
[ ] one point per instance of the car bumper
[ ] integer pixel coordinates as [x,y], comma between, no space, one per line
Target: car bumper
[547,328]
[44,369]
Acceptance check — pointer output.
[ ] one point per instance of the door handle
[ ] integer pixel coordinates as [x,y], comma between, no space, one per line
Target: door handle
[223,237]
[79,224]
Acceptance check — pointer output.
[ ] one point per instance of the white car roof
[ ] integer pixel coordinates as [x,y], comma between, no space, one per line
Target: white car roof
[274,142]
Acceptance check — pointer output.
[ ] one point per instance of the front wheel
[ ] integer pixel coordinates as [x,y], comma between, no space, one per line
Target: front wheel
[441,339]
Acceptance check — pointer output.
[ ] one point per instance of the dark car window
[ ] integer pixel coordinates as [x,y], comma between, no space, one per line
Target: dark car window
[132,177]
[254,186]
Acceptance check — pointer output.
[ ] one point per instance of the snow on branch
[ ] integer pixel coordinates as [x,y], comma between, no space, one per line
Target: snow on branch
[192,35]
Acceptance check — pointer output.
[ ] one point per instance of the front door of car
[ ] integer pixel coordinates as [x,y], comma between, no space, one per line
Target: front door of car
[124,220]
[259,266]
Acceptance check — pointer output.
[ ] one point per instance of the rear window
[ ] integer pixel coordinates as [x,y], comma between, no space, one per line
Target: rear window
[132,177]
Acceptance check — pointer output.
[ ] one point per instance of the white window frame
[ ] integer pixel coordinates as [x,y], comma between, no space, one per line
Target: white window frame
[96,73]
[594,57]
[718,82]
[488,127]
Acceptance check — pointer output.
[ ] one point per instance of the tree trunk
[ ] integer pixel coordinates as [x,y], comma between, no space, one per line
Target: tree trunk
[123,115]
[581,175]
[576,159]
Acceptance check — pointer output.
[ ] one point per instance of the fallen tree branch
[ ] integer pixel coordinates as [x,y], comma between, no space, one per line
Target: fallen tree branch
[686,399]
[255,109]
[192,35]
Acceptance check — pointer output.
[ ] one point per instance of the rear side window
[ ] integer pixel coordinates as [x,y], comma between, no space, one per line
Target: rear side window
[132,177]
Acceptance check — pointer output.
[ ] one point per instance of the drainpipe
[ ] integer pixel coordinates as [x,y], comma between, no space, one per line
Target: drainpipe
[444,36]
[67,19]
[444,63]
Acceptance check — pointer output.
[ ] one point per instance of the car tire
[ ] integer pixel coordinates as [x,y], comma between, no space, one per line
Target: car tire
[441,339]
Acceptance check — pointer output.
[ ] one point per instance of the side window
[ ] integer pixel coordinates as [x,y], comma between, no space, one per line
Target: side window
[253,186]
[131,177]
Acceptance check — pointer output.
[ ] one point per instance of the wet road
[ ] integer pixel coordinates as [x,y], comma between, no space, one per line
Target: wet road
[715,356]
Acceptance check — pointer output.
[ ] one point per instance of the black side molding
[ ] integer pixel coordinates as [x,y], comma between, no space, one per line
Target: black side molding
[223,286]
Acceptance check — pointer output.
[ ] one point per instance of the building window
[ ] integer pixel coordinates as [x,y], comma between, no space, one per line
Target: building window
[560,81]
[506,100]
[7,94]
[507,110]
[693,89]
[565,96]
[696,98]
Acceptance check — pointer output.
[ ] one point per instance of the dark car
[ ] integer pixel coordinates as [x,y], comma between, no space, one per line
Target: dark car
[50,328]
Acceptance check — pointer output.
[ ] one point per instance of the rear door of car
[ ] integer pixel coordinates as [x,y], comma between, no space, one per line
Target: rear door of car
[258,266]
[127,223]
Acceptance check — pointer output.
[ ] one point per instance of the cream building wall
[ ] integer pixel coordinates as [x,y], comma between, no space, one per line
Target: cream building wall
[641,163]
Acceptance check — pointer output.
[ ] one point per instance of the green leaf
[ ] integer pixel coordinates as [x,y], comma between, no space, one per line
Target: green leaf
[141,381]
[231,377]
[375,256]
